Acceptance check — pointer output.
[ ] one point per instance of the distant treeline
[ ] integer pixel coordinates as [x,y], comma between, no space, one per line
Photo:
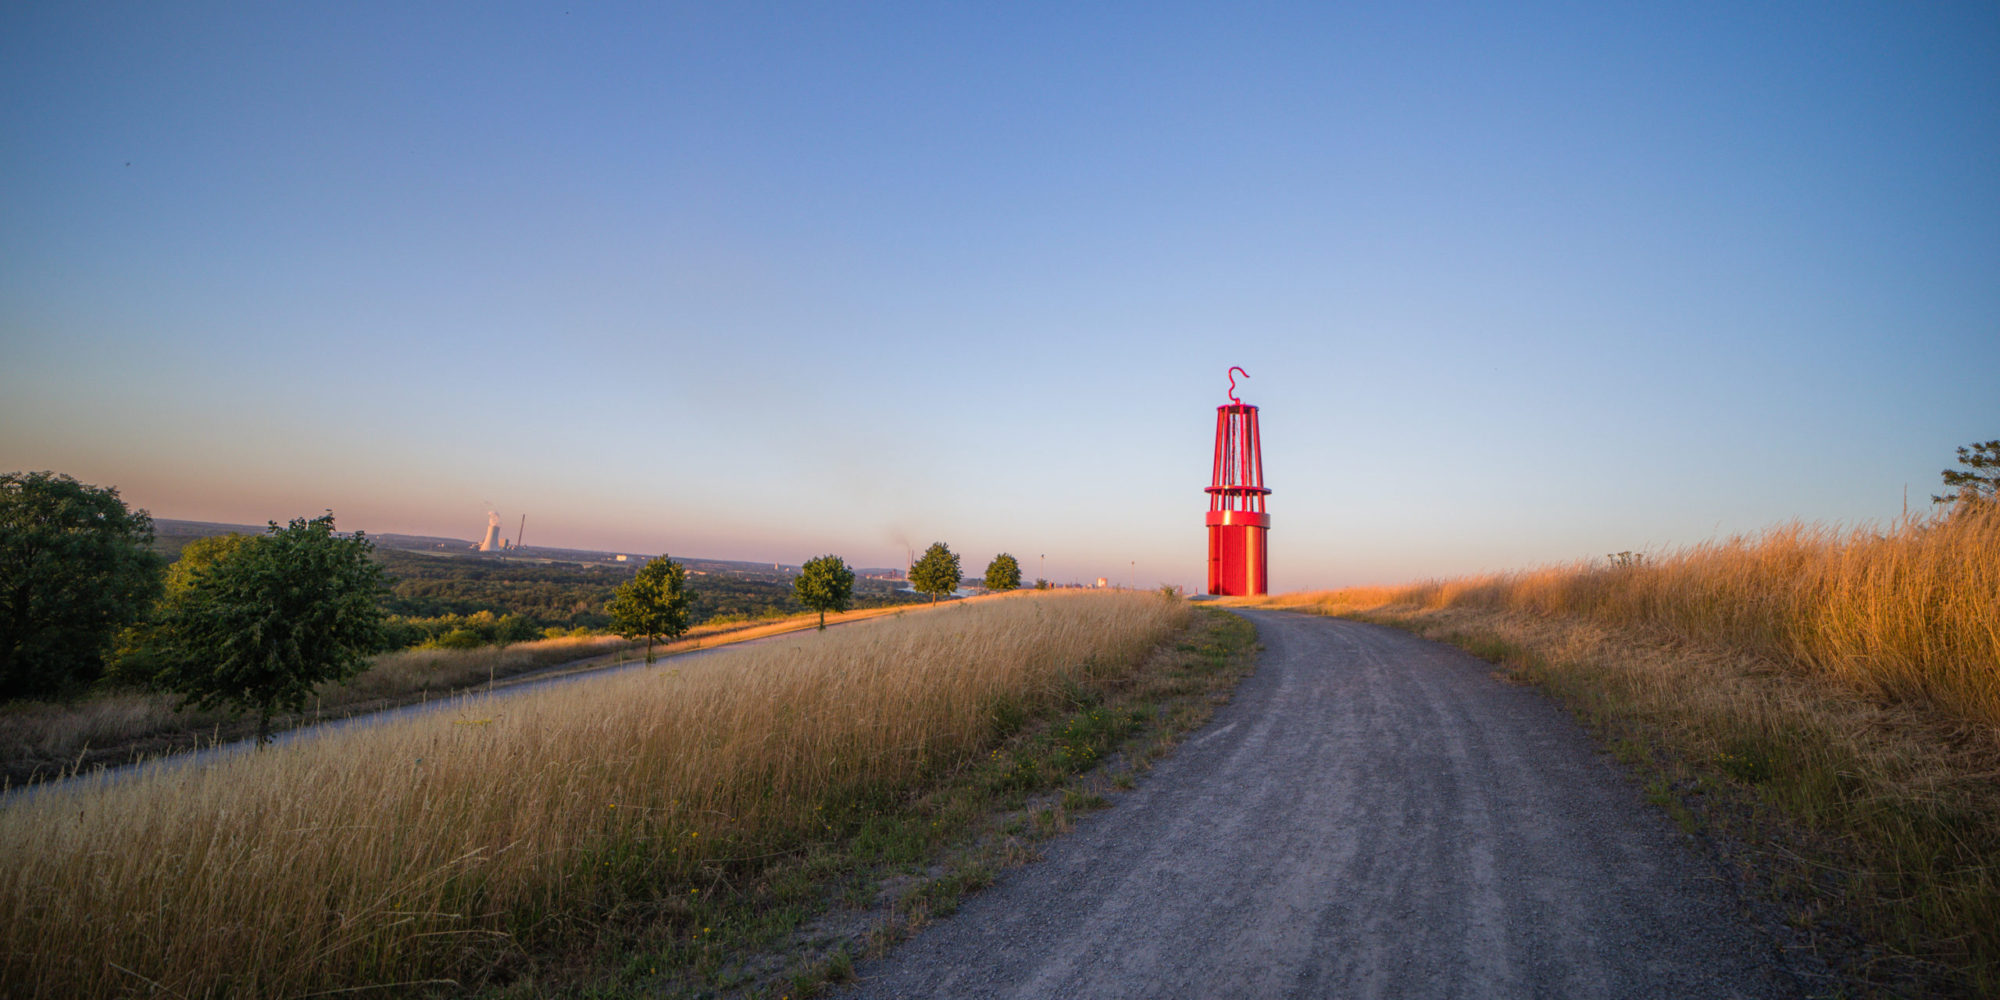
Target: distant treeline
[567,595]
[459,600]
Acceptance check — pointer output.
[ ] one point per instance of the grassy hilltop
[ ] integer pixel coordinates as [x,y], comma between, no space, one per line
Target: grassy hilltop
[620,835]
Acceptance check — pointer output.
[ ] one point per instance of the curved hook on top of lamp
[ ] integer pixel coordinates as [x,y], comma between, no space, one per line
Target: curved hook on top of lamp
[1232,384]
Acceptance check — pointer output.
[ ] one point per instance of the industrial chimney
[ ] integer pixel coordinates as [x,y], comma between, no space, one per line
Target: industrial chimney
[1237,521]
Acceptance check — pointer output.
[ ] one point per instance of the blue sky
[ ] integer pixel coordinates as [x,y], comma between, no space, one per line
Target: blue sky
[1515,283]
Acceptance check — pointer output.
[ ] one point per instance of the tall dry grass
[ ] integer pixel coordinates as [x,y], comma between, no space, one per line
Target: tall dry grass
[414,851]
[399,673]
[46,736]
[59,730]
[1911,612]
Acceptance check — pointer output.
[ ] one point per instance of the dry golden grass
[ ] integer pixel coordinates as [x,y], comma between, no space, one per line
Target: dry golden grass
[1911,613]
[53,730]
[416,850]
[40,731]
[435,670]
[52,734]
[1850,679]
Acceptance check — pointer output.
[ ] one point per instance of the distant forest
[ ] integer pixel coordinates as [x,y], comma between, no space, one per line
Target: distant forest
[574,595]
[567,595]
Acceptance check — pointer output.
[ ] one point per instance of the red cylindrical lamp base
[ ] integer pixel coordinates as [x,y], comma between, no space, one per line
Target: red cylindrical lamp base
[1237,564]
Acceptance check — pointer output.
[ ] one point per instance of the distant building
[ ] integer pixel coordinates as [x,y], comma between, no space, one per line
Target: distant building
[620,558]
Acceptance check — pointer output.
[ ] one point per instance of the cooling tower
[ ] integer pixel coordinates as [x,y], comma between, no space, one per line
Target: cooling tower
[491,543]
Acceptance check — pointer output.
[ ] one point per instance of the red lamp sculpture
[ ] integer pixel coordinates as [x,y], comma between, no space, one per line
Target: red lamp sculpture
[1237,520]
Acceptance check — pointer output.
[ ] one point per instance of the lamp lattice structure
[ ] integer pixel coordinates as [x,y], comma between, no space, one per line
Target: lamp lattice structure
[1237,520]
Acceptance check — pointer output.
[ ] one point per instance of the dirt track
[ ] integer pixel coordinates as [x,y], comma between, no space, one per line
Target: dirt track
[1373,816]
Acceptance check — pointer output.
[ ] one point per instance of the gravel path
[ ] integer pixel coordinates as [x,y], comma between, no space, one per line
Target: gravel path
[1374,815]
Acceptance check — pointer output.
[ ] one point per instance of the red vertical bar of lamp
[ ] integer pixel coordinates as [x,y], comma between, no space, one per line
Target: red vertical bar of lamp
[1249,535]
[1255,541]
[1233,471]
[1249,455]
[1259,578]
[1215,477]
[1225,534]
[1228,455]
[1237,479]
[1257,458]
[1215,504]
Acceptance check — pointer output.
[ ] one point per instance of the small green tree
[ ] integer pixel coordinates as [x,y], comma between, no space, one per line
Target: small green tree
[824,584]
[514,628]
[655,605]
[141,652]
[199,555]
[1003,573]
[270,618]
[76,566]
[1979,480]
[936,572]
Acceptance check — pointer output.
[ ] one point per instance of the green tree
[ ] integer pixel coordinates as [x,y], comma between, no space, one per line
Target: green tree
[936,572]
[75,567]
[654,605]
[514,628]
[200,554]
[270,618]
[824,584]
[140,654]
[1003,573]
[1979,480]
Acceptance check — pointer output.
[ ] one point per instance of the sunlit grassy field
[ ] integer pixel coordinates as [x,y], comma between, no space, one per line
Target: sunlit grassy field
[1845,681]
[1910,613]
[413,851]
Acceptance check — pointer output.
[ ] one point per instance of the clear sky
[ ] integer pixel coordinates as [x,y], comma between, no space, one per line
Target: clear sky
[1515,283]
